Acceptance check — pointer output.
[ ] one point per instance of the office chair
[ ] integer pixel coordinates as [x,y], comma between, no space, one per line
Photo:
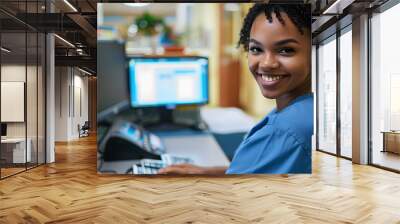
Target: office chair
[84,130]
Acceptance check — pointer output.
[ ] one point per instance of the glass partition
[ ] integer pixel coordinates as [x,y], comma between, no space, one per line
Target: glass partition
[22,89]
[13,104]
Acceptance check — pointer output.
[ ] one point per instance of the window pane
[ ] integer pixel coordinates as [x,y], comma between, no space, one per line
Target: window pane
[327,96]
[346,94]
[385,86]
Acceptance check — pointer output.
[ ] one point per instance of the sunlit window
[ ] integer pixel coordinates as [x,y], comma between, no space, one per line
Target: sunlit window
[385,84]
[327,96]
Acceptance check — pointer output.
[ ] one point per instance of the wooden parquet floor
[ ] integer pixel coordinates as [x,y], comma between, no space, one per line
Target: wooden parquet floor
[71,191]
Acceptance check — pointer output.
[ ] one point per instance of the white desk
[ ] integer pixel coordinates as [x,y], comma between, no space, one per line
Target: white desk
[18,149]
[201,148]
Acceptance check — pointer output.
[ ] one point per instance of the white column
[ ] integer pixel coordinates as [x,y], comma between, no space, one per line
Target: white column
[360,90]
[50,99]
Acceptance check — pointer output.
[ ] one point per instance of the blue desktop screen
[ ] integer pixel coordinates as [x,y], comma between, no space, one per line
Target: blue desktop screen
[167,81]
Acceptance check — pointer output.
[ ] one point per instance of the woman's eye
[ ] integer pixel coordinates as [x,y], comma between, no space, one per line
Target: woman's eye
[255,50]
[286,51]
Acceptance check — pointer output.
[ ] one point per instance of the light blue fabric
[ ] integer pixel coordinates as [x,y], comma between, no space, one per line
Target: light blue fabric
[280,143]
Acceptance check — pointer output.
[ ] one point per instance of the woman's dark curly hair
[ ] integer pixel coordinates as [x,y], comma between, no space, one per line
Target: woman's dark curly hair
[299,14]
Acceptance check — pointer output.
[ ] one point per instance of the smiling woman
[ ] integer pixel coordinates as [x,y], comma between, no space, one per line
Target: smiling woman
[278,42]
[279,46]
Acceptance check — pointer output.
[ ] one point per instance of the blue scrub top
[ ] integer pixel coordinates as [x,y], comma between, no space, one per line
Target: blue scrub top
[280,143]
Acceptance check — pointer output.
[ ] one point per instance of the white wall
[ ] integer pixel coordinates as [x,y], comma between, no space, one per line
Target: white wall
[71,94]
[62,81]
[82,82]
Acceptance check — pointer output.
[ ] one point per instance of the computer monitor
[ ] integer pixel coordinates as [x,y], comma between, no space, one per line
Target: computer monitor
[112,79]
[3,130]
[168,81]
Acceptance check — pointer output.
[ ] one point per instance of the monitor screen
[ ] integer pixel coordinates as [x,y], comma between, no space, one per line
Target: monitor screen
[168,81]
[3,129]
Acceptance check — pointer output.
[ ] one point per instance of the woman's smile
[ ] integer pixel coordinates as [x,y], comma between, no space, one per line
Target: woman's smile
[267,80]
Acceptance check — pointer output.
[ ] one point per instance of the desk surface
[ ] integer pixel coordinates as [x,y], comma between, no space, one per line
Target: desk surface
[13,140]
[201,147]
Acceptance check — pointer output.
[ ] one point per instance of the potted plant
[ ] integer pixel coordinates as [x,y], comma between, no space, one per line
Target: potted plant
[150,26]
[171,41]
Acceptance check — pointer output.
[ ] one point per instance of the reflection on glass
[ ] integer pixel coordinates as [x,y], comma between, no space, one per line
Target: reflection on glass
[385,86]
[346,94]
[327,96]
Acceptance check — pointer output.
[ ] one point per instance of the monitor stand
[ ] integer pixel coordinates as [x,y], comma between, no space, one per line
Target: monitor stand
[166,122]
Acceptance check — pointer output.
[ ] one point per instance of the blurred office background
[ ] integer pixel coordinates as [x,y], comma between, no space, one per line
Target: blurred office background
[210,30]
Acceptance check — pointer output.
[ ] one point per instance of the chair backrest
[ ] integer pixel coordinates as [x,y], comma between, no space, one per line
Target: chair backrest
[86,125]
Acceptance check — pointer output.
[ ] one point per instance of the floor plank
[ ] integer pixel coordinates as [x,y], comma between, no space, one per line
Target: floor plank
[71,191]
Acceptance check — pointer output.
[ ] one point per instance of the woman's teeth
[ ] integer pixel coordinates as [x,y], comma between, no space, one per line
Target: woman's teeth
[271,78]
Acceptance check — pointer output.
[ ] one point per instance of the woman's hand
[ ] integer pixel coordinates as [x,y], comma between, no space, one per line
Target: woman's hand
[183,169]
[192,169]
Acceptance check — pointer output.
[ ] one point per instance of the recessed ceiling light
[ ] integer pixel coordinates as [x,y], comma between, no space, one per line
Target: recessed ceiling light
[5,50]
[64,40]
[70,5]
[84,71]
[337,7]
